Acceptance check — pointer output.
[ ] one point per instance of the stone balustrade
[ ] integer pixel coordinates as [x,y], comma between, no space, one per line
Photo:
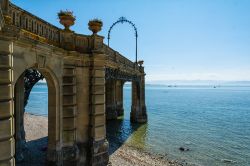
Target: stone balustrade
[1,18]
[33,27]
[117,58]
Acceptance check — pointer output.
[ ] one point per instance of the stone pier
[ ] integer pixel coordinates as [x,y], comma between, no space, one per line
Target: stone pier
[85,79]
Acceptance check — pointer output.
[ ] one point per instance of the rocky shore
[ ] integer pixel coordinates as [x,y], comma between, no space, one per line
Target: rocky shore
[36,128]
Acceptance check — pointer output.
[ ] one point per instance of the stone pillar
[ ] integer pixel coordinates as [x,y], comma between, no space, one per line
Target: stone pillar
[119,97]
[98,143]
[138,109]
[7,140]
[4,6]
[82,81]
[19,117]
[111,112]
[70,150]
[67,40]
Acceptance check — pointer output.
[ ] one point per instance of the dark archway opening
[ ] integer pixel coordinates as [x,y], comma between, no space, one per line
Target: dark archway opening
[31,101]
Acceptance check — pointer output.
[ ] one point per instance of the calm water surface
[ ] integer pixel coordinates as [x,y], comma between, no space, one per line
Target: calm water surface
[214,123]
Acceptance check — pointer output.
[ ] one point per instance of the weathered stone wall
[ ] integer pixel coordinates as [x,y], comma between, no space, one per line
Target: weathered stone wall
[98,142]
[7,129]
[75,68]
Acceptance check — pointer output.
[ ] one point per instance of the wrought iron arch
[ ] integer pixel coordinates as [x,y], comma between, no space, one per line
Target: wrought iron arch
[124,20]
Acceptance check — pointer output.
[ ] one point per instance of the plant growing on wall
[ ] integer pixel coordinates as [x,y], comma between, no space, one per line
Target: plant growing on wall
[95,25]
[65,13]
[67,19]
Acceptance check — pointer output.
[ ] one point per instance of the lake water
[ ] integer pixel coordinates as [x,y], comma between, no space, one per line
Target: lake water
[214,123]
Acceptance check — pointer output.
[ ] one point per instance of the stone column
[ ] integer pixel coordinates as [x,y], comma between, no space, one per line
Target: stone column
[7,141]
[138,109]
[119,97]
[19,117]
[111,112]
[98,142]
[82,81]
[70,150]
[4,6]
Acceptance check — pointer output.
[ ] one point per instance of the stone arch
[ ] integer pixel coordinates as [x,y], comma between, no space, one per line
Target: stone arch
[53,108]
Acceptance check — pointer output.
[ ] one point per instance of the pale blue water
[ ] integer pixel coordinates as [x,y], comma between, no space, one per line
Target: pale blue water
[214,123]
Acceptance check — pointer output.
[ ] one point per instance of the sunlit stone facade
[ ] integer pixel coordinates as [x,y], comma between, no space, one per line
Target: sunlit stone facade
[85,87]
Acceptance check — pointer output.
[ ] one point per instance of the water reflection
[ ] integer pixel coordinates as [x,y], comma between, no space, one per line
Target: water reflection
[121,130]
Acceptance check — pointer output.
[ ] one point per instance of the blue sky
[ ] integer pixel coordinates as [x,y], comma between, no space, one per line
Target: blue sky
[178,39]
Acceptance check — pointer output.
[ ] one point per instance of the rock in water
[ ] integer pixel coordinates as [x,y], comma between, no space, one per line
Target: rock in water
[228,161]
[183,149]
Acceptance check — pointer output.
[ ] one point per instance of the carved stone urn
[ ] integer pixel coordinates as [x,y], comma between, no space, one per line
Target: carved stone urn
[67,19]
[95,25]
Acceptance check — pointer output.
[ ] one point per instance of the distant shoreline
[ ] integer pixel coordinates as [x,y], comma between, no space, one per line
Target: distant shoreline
[189,83]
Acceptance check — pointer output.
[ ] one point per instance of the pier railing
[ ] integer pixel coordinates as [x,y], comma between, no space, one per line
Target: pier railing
[35,28]
[117,58]
[33,25]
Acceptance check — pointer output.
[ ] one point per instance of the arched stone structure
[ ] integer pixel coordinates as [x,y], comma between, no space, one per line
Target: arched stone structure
[53,114]
[77,68]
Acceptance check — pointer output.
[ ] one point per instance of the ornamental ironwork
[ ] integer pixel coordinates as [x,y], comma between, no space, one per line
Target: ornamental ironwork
[124,20]
[119,75]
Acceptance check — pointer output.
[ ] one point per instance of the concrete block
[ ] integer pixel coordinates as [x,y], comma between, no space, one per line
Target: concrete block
[6,109]
[68,137]
[5,60]
[6,128]
[6,46]
[69,111]
[69,80]
[99,63]
[98,81]
[99,109]
[7,149]
[99,120]
[99,89]
[10,162]
[6,92]
[98,99]
[69,89]
[69,123]
[68,71]
[99,73]
[6,76]
[100,132]
[69,100]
